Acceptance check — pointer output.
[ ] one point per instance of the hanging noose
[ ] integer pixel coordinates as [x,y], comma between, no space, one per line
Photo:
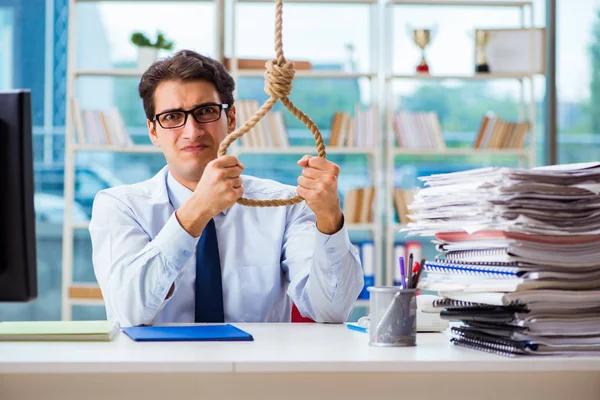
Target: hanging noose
[279,75]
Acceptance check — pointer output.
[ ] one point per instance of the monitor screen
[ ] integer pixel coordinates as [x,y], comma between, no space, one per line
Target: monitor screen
[18,271]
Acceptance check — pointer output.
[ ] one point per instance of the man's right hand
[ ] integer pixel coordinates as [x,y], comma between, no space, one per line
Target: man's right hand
[219,188]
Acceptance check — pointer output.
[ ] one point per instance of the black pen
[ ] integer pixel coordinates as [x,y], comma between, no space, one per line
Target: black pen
[418,275]
[409,273]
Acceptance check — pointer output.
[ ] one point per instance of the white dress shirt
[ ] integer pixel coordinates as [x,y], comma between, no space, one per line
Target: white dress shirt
[270,256]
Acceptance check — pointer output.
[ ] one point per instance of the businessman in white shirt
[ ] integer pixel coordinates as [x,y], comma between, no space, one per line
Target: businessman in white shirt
[178,248]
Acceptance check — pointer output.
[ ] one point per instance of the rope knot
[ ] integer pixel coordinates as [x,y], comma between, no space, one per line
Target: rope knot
[278,79]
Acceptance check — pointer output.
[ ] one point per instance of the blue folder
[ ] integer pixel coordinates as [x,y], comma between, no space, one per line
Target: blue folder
[189,333]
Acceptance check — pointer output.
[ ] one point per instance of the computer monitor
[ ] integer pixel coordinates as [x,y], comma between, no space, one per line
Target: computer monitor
[18,270]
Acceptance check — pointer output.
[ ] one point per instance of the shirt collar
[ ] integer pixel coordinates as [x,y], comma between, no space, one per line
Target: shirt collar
[179,194]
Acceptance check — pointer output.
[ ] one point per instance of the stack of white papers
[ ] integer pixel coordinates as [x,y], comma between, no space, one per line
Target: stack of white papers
[522,249]
[545,201]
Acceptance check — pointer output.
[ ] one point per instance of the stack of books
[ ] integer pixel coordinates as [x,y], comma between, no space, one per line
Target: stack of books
[358,205]
[270,131]
[418,130]
[402,199]
[356,131]
[518,258]
[96,127]
[494,133]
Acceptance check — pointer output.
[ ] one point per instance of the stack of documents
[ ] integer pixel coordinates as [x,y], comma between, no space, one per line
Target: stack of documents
[518,256]
[58,330]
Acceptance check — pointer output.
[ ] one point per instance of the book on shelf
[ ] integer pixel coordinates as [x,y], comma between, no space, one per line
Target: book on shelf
[494,133]
[269,132]
[358,205]
[402,199]
[257,63]
[97,127]
[418,130]
[358,131]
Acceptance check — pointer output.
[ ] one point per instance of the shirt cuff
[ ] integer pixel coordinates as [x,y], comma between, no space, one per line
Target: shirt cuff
[175,243]
[335,246]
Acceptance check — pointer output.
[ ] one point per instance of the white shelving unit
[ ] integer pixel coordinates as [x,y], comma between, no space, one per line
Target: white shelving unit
[525,156]
[474,77]
[91,292]
[381,159]
[309,74]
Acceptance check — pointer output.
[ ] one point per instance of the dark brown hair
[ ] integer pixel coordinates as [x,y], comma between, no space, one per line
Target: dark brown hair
[185,66]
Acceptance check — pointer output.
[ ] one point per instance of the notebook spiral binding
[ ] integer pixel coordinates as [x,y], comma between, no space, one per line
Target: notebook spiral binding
[478,269]
[498,327]
[496,344]
[461,342]
[449,303]
[477,253]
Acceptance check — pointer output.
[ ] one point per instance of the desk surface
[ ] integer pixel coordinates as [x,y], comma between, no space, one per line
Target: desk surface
[276,348]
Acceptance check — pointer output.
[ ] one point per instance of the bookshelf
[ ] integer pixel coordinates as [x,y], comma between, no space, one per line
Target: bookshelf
[381,158]
[525,156]
[88,294]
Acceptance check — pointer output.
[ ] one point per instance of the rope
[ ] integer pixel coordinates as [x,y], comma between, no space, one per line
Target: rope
[279,75]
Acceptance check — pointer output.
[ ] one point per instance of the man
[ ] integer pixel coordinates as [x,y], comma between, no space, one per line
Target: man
[178,248]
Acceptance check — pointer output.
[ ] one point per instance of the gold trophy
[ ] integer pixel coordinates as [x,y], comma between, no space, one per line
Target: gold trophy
[482,38]
[422,37]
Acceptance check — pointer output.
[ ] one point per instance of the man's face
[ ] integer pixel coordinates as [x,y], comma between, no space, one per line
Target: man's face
[188,149]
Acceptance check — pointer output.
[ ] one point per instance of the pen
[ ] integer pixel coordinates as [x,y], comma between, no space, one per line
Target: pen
[409,272]
[402,274]
[414,277]
[418,275]
[356,327]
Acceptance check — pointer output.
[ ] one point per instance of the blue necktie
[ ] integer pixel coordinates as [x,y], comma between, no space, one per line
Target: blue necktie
[209,290]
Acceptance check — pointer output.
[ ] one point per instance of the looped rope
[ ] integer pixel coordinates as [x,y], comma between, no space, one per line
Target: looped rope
[278,79]
[279,75]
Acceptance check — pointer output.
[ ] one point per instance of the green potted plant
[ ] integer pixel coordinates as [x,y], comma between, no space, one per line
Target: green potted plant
[147,50]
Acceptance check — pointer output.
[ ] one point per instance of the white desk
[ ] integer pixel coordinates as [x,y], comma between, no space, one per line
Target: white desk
[286,361]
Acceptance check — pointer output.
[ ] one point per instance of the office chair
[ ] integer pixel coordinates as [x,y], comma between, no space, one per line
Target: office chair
[297,317]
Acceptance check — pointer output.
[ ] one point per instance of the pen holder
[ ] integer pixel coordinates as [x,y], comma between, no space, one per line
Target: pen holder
[393,316]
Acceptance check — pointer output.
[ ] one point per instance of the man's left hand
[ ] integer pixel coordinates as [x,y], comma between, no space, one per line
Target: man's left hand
[318,187]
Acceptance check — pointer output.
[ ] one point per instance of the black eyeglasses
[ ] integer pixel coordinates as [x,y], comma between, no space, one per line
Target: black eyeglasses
[202,114]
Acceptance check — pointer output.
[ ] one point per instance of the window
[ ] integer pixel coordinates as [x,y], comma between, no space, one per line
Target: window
[25,62]
[578,80]
[6,47]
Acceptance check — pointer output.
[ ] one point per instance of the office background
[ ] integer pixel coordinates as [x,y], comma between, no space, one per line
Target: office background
[34,39]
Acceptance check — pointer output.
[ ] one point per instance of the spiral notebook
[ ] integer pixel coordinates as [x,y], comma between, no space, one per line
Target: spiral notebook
[477,340]
[524,257]
[553,299]
[499,329]
[506,271]
[496,270]
[446,276]
[449,303]
[496,235]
